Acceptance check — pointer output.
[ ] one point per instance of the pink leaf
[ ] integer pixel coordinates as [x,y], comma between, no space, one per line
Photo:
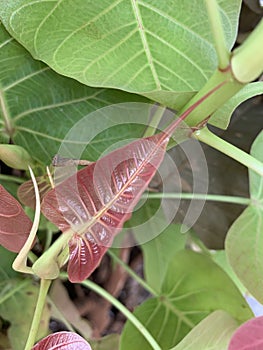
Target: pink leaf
[100,198]
[97,200]
[26,192]
[62,341]
[14,223]
[249,336]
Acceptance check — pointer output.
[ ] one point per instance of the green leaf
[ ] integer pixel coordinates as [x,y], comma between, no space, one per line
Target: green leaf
[220,257]
[244,248]
[158,253]
[255,180]
[213,333]
[18,306]
[193,287]
[38,108]
[221,117]
[110,342]
[161,49]
[6,261]
[244,242]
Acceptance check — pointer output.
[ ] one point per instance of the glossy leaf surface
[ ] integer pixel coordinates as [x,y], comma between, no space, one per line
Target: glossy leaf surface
[100,198]
[62,341]
[193,287]
[137,46]
[249,336]
[14,223]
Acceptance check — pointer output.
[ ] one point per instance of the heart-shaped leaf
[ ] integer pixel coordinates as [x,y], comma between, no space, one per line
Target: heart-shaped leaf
[15,225]
[62,341]
[193,287]
[100,198]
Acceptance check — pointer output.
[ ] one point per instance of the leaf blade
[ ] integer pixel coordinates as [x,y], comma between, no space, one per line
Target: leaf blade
[138,47]
[15,224]
[102,200]
[62,341]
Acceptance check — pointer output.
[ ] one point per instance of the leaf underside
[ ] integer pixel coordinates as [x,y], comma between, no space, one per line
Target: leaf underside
[97,200]
[14,223]
[62,341]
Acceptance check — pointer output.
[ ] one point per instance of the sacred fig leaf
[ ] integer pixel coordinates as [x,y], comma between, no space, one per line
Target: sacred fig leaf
[158,253]
[62,341]
[26,192]
[193,287]
[14,223]
[244,242]
[161,49]
[249,336]
[213,333]
[39,106]
[97,200]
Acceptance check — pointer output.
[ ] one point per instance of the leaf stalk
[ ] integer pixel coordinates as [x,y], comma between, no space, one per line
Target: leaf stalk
[206,136]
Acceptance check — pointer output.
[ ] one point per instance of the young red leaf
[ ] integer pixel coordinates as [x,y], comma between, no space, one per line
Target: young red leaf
[249,336]
[62,341]
[100,198]
[26,192]
[97,200]
[15,225]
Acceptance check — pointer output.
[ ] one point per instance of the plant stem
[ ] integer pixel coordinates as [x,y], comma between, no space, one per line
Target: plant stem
[47,266]
[18,180]
[102,292]
[247,60]
[43,290]
[218,33]
[133,274]
[154,121]
[199,196]
[223,146]
[216,100]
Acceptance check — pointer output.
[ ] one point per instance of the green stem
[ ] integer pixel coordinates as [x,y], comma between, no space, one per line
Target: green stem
[43,290]
[218,33]
[154,121]
[102,292]
[18,180]
[199,196]
[48,241]
[216,100]
[133,274]
[223,146]
[47,266]
[247,60]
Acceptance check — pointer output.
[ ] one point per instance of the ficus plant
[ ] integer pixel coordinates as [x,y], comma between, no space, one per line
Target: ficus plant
[103,76]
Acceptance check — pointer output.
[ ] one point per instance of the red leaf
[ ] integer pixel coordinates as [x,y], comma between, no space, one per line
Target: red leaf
[14,223]
[249,336]
[97,200]
[100,198]
[26,192]
[62,341]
